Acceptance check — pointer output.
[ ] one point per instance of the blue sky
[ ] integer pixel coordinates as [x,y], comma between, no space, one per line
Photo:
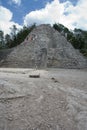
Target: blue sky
[71,13]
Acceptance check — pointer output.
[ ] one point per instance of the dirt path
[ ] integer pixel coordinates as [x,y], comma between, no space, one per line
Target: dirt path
[55,101]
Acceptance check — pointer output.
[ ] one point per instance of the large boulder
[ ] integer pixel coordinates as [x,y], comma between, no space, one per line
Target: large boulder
[44,47]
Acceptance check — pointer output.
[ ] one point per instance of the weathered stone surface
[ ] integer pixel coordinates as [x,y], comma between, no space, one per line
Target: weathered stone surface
[44,47]
[55,101]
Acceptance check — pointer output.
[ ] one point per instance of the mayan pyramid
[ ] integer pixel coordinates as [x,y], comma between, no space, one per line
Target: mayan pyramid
[43,47]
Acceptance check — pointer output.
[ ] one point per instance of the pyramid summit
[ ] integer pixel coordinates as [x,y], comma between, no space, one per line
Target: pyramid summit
[43,47]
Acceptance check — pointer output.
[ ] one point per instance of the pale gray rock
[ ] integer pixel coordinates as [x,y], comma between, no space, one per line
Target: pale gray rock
[43,47]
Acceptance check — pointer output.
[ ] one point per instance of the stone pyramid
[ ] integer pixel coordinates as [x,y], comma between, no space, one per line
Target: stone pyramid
[43,47]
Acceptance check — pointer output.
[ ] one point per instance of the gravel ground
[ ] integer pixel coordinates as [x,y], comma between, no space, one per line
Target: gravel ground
[57,100]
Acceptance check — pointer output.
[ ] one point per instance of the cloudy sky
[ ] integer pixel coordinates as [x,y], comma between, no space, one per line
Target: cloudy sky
[71,13]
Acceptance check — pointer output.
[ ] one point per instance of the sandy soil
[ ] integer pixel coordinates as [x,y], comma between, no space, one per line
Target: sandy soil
[55,101]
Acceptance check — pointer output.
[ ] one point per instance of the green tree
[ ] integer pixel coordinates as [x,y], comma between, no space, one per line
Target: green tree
[61,28]
[13,31]
[1,39]
[8,40]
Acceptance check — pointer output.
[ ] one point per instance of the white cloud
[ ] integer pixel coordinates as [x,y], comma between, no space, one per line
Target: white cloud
[55,12]
[45,15]
[5,14]
[6,20]
[18,2]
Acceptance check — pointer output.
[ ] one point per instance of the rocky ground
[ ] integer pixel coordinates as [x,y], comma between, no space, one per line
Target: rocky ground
[57,100]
